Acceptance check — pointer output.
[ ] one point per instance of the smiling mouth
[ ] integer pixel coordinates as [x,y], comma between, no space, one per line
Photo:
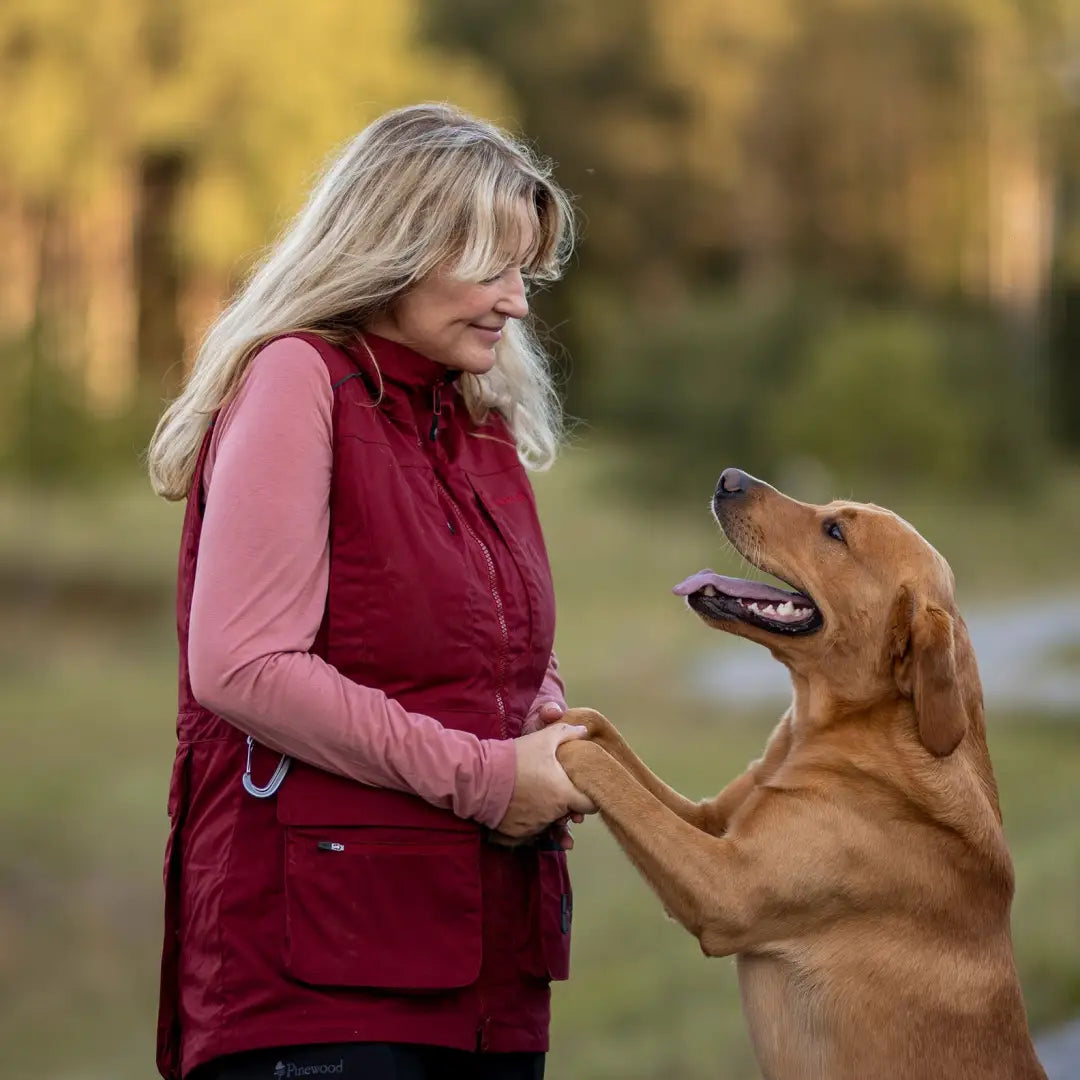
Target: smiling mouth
[715,596]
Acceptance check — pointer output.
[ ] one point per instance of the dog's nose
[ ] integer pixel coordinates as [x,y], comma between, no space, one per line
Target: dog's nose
[733,482]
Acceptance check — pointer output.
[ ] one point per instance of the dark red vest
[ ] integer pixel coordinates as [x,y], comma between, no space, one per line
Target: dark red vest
[333,911]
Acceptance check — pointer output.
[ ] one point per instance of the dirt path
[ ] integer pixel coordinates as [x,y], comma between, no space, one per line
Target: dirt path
[1059,1051]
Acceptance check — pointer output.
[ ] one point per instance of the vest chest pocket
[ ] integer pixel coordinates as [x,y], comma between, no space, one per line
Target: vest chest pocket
[388,904]
[508,500]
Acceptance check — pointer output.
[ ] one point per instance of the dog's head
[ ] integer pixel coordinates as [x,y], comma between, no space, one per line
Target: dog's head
[873,614]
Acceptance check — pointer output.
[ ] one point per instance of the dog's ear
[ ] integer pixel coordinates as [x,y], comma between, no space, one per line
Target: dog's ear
[923,647]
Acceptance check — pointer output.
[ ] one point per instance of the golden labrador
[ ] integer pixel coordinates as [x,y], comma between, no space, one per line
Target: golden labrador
[858,869]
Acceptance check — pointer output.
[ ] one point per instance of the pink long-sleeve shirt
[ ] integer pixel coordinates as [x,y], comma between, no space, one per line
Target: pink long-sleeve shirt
[259,596]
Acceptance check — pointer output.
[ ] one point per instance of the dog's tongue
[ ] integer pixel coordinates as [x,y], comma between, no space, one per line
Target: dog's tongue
[738,587]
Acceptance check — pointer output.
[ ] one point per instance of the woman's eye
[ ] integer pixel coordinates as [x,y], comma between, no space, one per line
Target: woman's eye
[492,280]
[834,532]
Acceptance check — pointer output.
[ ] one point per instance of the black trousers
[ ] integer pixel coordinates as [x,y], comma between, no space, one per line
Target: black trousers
[371,1061]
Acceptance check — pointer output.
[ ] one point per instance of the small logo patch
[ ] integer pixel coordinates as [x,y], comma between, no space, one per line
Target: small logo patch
[285,1070]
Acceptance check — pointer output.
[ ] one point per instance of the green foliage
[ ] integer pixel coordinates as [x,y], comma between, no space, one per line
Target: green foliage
[901,395]
[47,435]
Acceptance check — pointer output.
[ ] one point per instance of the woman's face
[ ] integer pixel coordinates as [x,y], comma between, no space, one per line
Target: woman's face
[459,323]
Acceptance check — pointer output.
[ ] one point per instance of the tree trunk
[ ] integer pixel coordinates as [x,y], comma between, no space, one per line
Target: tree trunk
[159,273]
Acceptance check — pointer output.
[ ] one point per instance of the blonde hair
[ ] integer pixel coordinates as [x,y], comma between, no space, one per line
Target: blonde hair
[419,188]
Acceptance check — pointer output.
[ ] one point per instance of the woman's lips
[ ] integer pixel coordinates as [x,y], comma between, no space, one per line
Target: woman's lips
[488,333]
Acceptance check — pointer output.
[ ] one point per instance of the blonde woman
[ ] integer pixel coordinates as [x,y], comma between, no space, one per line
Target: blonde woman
[365,617]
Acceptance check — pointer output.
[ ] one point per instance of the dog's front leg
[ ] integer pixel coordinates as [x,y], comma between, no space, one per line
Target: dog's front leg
[693,873]
[713,815]
[604,733]
[771,878]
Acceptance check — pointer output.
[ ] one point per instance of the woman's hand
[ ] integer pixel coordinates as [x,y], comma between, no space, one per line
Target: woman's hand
[548,713]
[543,793]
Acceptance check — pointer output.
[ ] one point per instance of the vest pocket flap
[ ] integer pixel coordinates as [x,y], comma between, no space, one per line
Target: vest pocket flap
[312,797]
[360,912]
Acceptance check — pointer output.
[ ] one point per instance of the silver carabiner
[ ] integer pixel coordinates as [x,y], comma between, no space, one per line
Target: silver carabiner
[273,783]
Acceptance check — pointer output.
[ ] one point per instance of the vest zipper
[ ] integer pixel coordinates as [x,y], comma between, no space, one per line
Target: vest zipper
[482,1030]
[493,584]
[493,581]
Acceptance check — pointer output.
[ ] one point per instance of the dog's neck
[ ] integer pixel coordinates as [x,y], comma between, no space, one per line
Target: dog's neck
[880,738]
[814,707]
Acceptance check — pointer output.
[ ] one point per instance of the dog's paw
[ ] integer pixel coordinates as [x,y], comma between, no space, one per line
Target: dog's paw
[580,758]
[570,751]
[595,722]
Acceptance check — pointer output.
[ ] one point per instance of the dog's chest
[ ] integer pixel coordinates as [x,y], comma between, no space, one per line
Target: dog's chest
[782,1015]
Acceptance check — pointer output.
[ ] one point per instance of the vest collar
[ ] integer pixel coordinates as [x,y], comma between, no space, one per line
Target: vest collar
[401,365]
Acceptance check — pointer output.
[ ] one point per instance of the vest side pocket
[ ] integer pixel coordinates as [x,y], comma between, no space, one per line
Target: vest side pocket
[554,912]
[389,908]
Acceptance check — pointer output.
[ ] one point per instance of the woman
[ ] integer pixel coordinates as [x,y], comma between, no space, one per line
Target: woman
[366,617]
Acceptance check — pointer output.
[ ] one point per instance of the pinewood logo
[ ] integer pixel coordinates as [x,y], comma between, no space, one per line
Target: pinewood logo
[284,1070]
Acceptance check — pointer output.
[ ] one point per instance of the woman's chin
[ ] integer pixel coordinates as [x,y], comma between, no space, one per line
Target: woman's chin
[476,361]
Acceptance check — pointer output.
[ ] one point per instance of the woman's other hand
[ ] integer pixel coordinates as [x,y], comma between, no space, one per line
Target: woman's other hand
[547,714]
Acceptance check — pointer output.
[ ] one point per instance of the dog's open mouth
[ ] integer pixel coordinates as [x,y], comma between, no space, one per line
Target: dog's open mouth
[776,610]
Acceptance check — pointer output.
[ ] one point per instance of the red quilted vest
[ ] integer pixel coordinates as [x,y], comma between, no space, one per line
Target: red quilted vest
[336,912]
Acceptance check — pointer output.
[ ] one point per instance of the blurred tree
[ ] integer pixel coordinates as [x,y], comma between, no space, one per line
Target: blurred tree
[907,154]
[898,152]
[592,63]
[189,130]
[893,145]
[158,278]
[592,95]
[1065,285]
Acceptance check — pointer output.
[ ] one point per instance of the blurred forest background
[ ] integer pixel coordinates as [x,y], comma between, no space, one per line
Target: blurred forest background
[834,242]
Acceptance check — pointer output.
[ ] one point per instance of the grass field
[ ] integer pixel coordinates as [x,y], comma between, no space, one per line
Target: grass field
[87,698]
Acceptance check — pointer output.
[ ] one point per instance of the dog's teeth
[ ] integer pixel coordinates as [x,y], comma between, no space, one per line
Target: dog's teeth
[709,590]
[786,608]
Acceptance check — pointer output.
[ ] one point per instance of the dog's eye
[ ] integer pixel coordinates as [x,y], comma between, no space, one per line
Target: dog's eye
[834,532]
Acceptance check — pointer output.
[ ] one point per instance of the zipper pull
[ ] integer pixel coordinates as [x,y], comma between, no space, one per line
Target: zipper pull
[436,407]
[330,845]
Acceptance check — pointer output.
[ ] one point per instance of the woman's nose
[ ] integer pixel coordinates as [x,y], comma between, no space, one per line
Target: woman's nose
[512,302]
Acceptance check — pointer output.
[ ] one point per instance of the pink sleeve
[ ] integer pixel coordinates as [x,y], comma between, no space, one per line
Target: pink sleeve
[259,594]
